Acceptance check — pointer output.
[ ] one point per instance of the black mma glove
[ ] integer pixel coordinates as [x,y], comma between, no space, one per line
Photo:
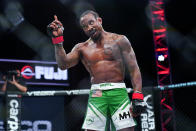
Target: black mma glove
[55,30]
[55,39]
[49,31]
[138,103]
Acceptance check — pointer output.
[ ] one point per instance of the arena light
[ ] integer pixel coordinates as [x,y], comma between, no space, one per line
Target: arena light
[161,58]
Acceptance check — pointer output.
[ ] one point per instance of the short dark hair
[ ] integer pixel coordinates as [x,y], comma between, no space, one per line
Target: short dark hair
[96,15]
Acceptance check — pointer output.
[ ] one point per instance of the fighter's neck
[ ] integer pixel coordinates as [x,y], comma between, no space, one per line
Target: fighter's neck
[101,38]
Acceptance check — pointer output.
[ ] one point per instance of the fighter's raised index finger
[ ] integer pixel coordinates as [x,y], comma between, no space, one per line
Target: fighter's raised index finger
[55,17]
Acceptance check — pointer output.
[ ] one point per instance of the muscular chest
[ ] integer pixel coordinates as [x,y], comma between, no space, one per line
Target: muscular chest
[110,52]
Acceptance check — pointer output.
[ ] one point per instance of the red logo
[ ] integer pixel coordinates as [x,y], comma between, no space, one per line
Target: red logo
[27,72]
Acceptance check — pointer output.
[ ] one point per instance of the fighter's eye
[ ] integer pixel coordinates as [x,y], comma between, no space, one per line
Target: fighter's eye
[91,22]
[84,26]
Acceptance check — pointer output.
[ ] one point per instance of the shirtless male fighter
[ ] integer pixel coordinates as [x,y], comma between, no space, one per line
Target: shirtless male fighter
[105,56]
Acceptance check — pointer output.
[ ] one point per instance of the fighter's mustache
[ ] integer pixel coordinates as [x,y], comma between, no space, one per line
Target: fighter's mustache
[92,31]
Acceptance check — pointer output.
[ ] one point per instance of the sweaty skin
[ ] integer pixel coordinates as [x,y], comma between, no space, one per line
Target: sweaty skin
[104,54]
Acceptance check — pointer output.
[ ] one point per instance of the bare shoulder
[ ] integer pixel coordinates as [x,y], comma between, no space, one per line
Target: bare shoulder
[78,46]
[81,45]
[119,38]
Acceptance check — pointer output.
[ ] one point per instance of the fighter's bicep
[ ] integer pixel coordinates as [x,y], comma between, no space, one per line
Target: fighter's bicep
[129,58]
[73,57]
[128,53]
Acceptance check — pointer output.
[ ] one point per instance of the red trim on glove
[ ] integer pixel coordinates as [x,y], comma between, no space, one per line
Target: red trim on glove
[138,96]
[57,40]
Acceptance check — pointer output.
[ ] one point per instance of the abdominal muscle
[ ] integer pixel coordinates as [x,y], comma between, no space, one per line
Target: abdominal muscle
[106,71]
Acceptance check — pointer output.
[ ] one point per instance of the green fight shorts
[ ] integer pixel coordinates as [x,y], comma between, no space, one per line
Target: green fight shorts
[112,105]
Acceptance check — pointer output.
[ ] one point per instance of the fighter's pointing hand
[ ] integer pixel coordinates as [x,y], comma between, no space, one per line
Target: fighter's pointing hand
[55,30]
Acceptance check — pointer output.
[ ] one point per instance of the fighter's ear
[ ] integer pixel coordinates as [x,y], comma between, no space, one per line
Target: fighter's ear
[100,20]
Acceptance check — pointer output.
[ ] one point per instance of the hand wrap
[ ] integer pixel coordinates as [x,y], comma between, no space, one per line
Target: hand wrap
[57,40]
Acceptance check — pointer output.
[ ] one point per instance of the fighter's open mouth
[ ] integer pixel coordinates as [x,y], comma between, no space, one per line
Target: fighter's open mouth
[92,32]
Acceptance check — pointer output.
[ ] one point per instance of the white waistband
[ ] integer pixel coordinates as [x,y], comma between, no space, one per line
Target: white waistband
[107,86]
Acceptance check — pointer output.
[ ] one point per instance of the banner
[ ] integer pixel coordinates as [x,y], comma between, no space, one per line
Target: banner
[33,113]
[148,118]
[36,72]
[13,108]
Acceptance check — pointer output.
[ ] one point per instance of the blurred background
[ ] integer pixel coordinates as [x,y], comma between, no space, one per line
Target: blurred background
[23,36]
[23,31]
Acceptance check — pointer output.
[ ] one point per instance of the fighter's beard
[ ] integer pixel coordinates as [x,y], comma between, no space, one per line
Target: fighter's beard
[96,37]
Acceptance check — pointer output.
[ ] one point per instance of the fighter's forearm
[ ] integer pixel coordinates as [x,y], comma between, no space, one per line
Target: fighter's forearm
[136,80]
[60,55]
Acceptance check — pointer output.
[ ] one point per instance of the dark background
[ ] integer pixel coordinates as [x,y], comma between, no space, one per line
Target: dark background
[28,39]
[23,34]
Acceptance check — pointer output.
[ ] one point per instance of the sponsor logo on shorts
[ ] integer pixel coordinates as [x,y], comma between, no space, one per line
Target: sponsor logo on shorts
[124,115]
[106,84]
[89,120]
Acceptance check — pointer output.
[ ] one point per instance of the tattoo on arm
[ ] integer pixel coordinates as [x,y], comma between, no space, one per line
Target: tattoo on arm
[131,63]
[64,60]
[60,55]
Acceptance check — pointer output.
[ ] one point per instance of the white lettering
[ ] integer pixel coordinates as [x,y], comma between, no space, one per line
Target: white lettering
[13,119]
[14,103]
[36,125]
[146,98]
[1,125]
[151,125]
[147,121]
[61,75]
[41,93]
[144,117]
[144,124]
[48,73]
[13,111]
[39,71]
[13,125]
[150,113]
